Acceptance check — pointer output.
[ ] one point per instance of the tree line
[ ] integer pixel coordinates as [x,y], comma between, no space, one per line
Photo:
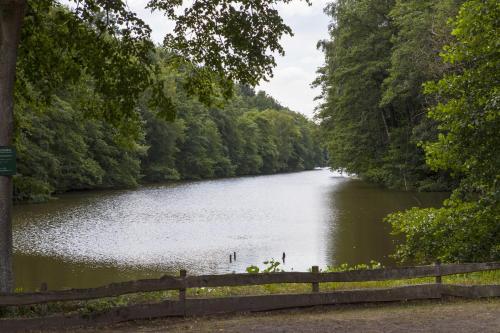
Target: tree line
[97,57]
[70,141]
[410,92]
[60,149]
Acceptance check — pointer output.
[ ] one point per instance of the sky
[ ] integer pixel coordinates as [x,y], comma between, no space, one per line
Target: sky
[296,70]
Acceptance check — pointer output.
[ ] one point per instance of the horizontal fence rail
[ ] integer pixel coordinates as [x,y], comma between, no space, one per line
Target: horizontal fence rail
[381,274]
[208,306]
[229,280]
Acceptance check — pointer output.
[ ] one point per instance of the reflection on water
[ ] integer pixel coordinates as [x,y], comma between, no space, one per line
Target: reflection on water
[356,232]
[316,217]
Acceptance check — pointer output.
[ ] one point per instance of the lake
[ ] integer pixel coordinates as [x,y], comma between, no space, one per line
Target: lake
[86,239]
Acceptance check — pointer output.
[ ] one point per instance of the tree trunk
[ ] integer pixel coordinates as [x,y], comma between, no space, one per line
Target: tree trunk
[11,18]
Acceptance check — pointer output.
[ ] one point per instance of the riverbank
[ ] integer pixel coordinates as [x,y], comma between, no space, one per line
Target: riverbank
[165,183]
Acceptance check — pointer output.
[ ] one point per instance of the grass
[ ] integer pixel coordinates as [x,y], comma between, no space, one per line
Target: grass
[91,306]
[477,278]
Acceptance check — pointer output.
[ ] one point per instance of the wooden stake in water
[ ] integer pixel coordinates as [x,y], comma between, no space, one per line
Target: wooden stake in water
[43,307]
[234,255]
[230,258]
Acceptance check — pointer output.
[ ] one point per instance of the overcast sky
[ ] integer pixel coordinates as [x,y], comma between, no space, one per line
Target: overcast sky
[296,70]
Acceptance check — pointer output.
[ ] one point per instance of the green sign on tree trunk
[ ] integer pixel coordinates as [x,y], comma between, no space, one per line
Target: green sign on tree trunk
[7,161]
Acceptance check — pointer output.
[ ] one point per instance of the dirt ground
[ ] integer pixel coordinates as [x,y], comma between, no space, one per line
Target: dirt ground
[430,316]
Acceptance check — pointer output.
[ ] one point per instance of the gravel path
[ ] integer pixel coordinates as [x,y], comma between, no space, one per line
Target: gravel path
[431,316]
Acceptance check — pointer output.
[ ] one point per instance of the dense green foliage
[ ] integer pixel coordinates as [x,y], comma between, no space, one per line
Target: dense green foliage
[373,115]
[468,114]
[216,43]
[94,107]
[61,149]
[377,122]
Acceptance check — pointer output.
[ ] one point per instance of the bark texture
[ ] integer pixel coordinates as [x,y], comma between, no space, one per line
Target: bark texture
[11,18]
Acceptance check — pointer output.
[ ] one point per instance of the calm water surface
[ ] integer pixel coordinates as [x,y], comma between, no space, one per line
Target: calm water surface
[317,217]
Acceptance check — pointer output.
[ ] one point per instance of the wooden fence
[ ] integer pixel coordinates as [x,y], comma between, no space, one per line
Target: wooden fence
[203,306]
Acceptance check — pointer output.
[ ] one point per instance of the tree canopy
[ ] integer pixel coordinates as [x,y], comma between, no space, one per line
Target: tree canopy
[104,48]
[468,118]
[214,43]
[382,124]
[67,140]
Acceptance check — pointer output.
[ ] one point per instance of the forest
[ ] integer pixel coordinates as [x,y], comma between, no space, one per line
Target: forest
[68,139]
[409,100]
[410,92]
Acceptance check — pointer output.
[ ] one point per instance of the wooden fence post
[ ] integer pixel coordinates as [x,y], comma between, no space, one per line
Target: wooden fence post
[182,291]
[43,307]
[315,285]
[437,264]
[312,277]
